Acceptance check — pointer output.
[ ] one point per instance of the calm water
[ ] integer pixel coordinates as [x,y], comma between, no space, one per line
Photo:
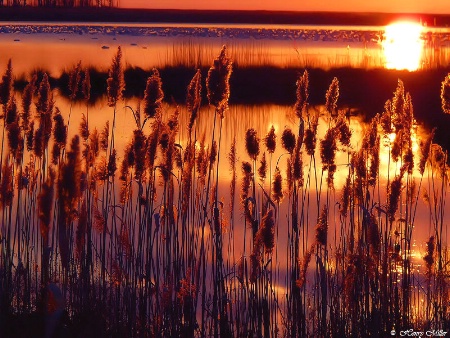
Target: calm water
[57,48]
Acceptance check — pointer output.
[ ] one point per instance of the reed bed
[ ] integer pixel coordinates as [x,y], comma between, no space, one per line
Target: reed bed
[151,241]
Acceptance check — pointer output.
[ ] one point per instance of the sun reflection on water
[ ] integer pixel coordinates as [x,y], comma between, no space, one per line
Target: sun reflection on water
[403,46]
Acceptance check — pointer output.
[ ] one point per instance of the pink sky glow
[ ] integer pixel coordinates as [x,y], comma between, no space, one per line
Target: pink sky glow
[394,6]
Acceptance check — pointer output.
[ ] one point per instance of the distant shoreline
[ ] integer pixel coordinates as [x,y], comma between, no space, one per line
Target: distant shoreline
[116,15]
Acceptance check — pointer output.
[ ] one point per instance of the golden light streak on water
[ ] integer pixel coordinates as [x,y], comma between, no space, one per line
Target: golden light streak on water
[403,46]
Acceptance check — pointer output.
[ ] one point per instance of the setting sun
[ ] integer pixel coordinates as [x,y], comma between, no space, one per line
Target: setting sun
[402,45]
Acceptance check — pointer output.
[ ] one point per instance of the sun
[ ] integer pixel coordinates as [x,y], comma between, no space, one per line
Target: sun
[403,46]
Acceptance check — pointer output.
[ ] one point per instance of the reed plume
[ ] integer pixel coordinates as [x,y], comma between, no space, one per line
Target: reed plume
[112,165]
[300,282]
[69,180]
[425,149]
[311,135]
[277,186]
[266,233]
[153,95]
[438,159]
[262,170]
[194,98]
[271,140]
[332,97]
[343,130]
[59,129]
[44,99]
[11,115]
[252,143]
[394,192]
[302,94]
[15,140]
[86,85]
[217,82]
[115,81]
[371,134]
[445,94]
[84,128]
[27,98]
[104,135]
[255,264]
[139,147]
[74,81]
[6,86]
[322,227]
[45,203]
[38,141]
[288,140]
[328,148]
[6,185]
[94,148]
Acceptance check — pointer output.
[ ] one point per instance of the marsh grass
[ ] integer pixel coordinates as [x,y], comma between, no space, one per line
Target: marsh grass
[145,241]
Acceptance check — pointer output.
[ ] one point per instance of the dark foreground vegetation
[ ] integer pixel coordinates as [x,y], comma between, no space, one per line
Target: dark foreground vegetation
[141,242]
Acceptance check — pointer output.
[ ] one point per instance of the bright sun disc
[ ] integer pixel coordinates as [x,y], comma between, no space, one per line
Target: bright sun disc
[402,45]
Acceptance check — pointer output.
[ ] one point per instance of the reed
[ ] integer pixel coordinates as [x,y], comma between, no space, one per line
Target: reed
[142,241]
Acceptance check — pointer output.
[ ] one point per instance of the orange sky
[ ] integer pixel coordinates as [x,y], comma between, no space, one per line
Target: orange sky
[404,6]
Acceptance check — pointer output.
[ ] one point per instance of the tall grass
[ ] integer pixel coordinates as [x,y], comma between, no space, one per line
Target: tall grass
[144,241]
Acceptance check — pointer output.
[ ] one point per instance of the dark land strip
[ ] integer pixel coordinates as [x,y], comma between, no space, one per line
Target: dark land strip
[116,15]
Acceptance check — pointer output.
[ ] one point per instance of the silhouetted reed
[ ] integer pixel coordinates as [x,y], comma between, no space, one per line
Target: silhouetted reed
[288,140]
[252,143]
[152,248]
[217,81]
[115,82]
[153,95]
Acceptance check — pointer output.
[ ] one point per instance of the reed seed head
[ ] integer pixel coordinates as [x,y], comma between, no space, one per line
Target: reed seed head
[115,81]
[271,140]
[252,143]
[6,86]
[194,97]
[153,95]
[288,140]
[74,81]
[217,82]
[302,94]
[322,227]
[332,96]
[262,170]
[277,186]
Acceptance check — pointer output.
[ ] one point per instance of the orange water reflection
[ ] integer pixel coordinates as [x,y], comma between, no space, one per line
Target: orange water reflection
[345,47]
